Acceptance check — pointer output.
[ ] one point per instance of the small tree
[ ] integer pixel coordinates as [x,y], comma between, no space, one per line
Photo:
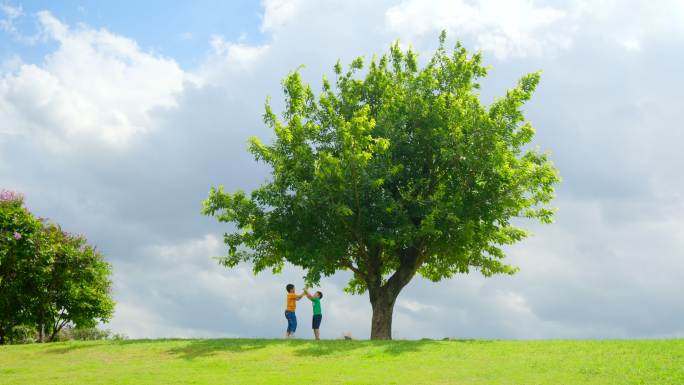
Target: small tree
[391,173]
[19,232]
[76,288]
[48,278]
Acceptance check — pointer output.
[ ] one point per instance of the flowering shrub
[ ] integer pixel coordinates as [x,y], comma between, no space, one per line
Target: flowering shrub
[11,199]
[49,278]
[7,196]
[20,233]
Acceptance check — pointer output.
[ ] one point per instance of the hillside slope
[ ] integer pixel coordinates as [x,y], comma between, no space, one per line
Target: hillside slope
[244,361]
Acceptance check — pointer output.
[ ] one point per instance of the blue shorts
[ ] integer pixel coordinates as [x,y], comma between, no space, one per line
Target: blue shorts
[316,321]
[291,321]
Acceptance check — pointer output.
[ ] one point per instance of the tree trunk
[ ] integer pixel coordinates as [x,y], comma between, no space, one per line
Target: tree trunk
[42,332]
[383,296]
[56,330]
[383,307]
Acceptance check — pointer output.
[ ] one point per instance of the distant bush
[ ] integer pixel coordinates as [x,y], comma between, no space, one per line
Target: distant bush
[86,334]
[89,334]
[27,334]
[119,337]
[23,334]
[82,334]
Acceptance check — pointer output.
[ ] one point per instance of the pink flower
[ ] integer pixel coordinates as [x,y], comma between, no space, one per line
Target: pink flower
[10,196]
[17,236]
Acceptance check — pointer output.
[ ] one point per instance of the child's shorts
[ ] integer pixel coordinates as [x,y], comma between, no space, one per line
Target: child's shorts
[316,321]
[291,321]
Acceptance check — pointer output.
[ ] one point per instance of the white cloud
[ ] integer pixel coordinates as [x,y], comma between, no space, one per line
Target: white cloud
[415,306]
[8,24]
[97,86]
[633,24]
[518,28]
[228,62]
[136,320]
[241,55]
[11,64]
[632,45]
[504,27]
[11,13]
[277,13]
[209,245]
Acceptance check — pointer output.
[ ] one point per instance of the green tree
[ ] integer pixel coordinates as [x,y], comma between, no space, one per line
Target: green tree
[394,171]
[75,289]
[19,232]
[48,278]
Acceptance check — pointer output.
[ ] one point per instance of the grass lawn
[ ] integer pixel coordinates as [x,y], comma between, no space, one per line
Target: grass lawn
[244,361]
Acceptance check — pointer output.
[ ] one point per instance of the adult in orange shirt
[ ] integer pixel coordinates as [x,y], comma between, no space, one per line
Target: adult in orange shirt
[290,307]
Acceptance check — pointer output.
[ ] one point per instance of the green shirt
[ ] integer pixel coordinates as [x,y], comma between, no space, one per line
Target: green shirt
[316,306]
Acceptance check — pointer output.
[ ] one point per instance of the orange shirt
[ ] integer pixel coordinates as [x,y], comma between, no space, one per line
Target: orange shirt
[291,301]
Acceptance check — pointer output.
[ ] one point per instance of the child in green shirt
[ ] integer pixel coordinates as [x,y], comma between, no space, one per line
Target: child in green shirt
[317,314]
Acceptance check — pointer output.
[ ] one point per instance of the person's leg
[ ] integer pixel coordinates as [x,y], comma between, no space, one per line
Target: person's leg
[291,325]
[313,325]
[287,331]
[294,324]
[316,325]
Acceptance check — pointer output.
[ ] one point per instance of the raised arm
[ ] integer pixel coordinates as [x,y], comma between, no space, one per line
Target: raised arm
[306,293]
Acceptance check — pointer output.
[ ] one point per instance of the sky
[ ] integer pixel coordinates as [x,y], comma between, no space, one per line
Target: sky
[117,117]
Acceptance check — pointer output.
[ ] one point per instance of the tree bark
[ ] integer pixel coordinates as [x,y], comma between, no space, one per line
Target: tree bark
[383,297]
[383,308]
[382,301]
[58,327]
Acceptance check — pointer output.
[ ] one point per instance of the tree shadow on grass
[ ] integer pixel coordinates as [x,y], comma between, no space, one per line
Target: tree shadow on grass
[205,348]
[149,341]
[62,349]
[394,348]
[193,349]
[471,341]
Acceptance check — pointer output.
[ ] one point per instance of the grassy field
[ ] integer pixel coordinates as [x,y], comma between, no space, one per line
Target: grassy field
[244,361]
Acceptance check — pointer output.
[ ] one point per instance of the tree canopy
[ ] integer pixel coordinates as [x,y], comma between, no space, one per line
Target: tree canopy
[393,170]
[48,278]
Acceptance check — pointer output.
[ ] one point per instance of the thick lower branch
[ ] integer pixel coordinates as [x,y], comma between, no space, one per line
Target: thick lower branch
[410,261]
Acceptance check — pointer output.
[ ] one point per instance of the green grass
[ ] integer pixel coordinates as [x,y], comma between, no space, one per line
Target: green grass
[243,361]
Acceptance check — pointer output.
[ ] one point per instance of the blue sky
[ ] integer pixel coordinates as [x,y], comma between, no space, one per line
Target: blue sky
[115,120]
[178,30]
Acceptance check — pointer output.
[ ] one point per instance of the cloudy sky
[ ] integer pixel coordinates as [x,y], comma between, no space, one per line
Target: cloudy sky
[115,120]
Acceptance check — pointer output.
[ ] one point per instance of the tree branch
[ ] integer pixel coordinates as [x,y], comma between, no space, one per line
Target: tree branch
[57,327]
[348,264]
[410,261]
